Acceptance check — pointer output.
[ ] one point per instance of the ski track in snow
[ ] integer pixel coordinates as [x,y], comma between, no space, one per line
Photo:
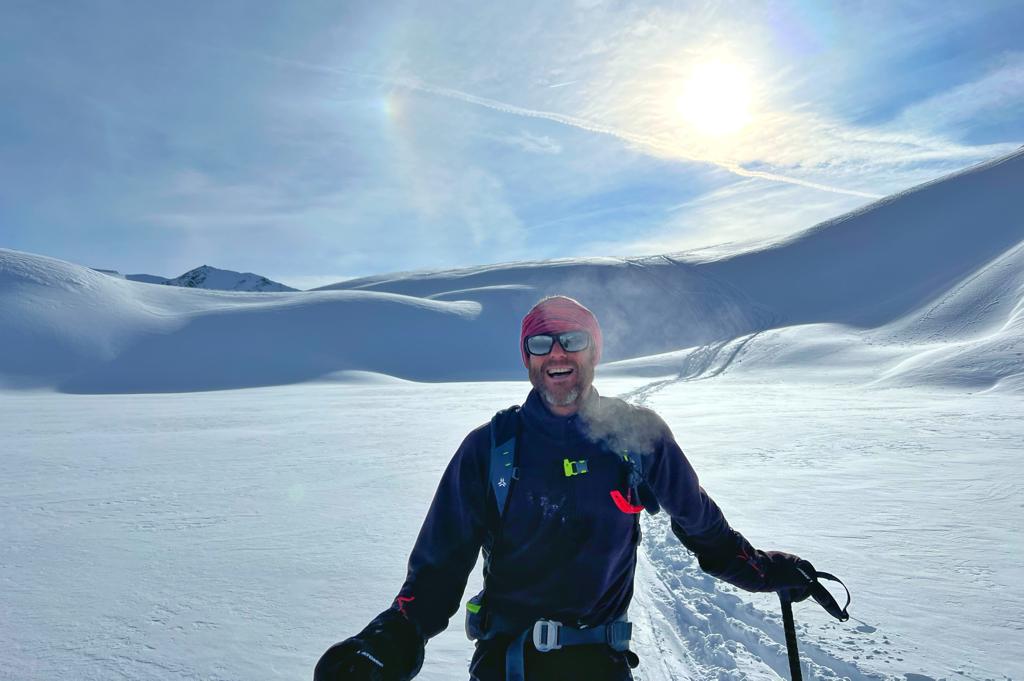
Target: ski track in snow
[691,626]
[706,361]
[688,615]
[684,614]
[685,617]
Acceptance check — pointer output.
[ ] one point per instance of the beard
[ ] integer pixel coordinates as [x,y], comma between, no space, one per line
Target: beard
[561,399]
[563,393]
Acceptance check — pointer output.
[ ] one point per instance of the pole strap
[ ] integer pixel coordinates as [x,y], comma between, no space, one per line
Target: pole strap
[820,594]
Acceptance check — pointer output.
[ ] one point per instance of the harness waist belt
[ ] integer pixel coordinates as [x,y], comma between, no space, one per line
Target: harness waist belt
[548,635]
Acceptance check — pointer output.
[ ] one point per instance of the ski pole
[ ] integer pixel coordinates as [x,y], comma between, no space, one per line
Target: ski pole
[790,625]
[825,600]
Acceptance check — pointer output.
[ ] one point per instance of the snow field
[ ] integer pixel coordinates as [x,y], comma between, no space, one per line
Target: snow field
[235,535]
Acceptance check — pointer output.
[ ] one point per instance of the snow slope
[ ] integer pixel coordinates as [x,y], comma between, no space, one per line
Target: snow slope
[146,338]
[877,264]
[865,268]
[81,331]
[923,287]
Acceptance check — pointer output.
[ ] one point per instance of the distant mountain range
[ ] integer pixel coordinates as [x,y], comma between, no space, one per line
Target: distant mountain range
[210,278]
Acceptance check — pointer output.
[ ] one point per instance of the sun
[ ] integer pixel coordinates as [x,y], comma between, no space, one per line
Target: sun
[715,100]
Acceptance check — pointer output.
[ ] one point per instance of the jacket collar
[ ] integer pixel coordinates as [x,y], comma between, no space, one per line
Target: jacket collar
[537,416]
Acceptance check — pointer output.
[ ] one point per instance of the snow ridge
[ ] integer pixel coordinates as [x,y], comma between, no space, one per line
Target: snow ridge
[923,288]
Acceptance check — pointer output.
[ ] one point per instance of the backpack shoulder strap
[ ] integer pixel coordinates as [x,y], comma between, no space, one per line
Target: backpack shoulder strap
[638,487]
[503,471]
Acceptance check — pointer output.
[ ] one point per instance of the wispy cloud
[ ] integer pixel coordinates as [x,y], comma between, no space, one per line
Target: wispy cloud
[995,96]
[528,142]
[815,165]
[651,144]
[648,143]
[797,145]
[543,131]
[455,215]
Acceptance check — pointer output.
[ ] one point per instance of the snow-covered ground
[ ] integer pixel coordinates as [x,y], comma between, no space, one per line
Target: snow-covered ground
[236,534]
[217,485]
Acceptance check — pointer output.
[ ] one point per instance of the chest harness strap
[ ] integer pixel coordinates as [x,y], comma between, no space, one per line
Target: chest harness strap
[504,430]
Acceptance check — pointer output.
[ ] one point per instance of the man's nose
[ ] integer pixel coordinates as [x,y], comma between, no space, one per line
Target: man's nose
[557,350]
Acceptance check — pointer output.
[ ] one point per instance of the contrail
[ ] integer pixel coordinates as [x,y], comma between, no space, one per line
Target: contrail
[740,170]
[642,141]
[632,138]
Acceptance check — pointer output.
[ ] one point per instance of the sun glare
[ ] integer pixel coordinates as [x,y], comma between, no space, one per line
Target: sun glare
[716,98]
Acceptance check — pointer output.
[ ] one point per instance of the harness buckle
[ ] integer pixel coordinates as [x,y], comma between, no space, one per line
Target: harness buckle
[546,635]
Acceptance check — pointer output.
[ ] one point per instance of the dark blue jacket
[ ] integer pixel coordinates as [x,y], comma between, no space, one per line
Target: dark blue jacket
[563,550]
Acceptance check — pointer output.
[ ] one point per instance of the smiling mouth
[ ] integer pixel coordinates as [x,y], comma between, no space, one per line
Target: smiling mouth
[560,372]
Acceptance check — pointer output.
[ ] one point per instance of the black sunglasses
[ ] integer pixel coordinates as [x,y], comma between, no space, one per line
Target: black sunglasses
[571,341]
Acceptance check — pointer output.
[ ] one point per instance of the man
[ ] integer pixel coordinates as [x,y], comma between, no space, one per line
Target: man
[558,523]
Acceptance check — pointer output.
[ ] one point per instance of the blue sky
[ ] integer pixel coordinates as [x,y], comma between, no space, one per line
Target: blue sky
[314,141]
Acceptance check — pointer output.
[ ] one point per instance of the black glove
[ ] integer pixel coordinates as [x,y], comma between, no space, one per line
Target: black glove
[390,648]
[348,660]
[791,576]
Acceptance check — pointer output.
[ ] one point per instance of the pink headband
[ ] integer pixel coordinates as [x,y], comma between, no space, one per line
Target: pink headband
[555,315]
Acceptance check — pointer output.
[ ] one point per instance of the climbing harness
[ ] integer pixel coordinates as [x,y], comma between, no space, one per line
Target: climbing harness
[548,635]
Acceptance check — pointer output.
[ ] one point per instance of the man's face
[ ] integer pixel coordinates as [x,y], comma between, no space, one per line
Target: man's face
[563,378]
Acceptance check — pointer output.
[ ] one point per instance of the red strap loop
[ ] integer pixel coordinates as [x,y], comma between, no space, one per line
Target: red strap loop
[622,504]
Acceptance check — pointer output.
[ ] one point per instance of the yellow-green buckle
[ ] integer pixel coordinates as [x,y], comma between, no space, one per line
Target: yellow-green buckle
[574,467]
